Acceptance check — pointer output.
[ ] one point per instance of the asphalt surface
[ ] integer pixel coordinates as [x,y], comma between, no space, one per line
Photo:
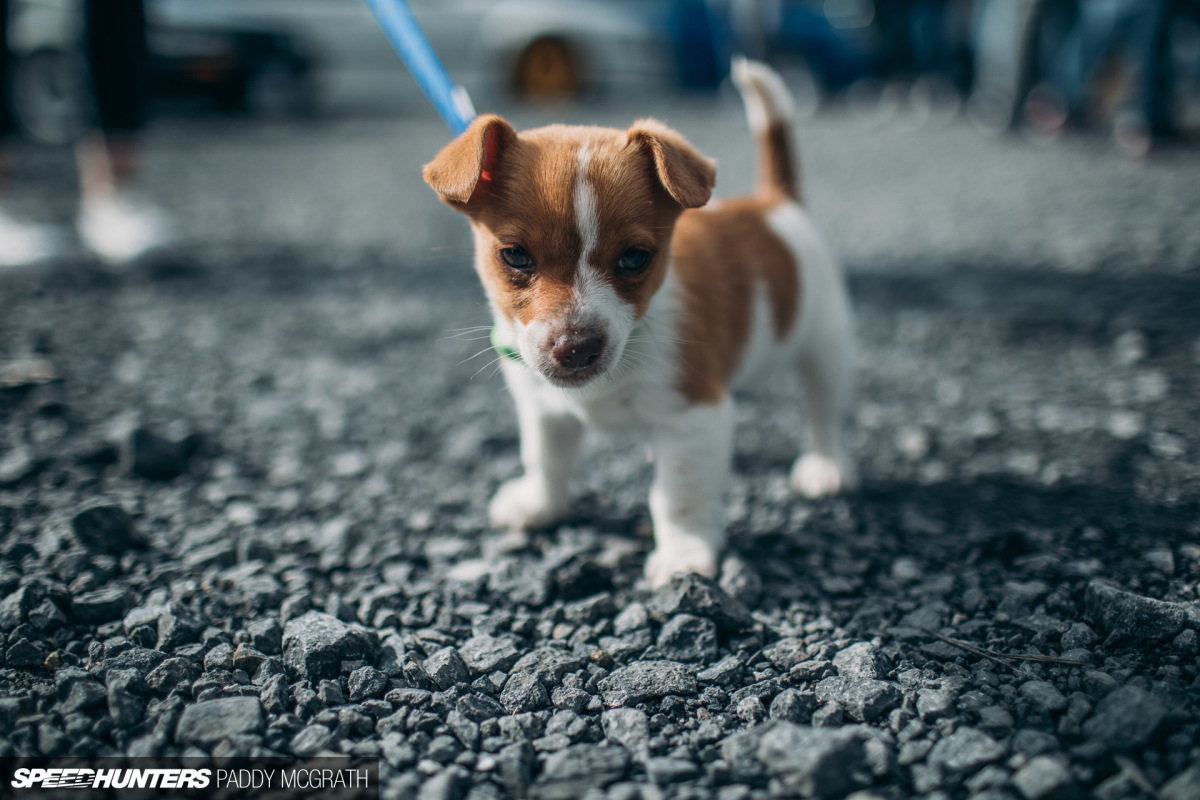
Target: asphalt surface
[293,414]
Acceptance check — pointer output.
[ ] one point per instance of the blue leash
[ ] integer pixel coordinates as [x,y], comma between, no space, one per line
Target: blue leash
[450,99]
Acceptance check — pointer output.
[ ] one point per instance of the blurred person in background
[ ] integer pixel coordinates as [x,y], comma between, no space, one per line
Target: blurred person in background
[925,50]
[939,34]
[113,223]
[1065,43]
[742,27]
[894,21]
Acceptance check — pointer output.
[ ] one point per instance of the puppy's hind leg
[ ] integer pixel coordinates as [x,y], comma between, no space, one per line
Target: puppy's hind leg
[826,363]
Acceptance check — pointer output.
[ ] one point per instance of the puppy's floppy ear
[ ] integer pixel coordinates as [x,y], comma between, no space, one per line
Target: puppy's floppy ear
[464,167]
[686,175]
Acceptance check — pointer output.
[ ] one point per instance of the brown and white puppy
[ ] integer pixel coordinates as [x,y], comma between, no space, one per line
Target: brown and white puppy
[622,299]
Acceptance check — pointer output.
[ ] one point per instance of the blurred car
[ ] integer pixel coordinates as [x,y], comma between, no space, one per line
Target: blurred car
[291,56]
[50,94]
[233,65]
[534,48]
[239,68]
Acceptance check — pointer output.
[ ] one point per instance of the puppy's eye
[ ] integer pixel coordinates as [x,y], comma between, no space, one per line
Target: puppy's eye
[517,258]
[633,260]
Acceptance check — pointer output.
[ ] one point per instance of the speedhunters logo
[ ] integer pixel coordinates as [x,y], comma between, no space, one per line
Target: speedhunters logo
[137,778]
[83,778]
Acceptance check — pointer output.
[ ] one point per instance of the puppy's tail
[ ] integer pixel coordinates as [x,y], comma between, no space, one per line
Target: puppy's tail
[770,110]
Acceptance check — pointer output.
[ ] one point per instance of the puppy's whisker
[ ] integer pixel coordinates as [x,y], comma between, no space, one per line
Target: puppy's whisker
[669,339]
[485,332]
[464,337]
[477,355]
[496,362]
[461,339]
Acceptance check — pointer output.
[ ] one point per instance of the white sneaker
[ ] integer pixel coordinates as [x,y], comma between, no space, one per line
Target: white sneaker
[120,227]
[24,244]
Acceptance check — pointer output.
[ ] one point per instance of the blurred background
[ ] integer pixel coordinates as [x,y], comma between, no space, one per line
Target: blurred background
[1086,59]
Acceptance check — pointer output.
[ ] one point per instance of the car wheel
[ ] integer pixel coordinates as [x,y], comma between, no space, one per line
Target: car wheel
[51,97]
[547,68]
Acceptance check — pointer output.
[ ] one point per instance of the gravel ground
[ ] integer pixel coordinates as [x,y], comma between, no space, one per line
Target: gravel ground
[242,492]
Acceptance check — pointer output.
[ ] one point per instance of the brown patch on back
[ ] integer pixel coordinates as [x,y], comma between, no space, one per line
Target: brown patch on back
[720,256]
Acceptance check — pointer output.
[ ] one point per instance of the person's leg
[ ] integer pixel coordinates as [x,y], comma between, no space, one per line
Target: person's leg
[1146,118]
[928,34]
[1047,44]
[1157,73]
[115,32]
[6,121]
[1100,25]
[1072,67]
[1043,42]
[5,116]
[21,243]
[114,223]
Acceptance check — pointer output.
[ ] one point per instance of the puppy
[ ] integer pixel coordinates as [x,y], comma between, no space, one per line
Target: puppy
[624,300]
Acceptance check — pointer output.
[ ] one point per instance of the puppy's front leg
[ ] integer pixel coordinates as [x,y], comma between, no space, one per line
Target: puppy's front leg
[549,447]
[692,454]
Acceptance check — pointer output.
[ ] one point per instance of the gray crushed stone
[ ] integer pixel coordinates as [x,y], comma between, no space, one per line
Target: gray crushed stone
[249,515]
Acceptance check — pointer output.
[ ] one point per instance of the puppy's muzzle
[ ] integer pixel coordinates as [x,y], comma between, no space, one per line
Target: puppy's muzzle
[577,351]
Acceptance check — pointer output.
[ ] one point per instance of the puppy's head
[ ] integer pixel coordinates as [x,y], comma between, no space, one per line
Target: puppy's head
[572,231]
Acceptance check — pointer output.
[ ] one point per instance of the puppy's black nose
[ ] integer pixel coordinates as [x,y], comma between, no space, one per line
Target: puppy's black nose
[574,352]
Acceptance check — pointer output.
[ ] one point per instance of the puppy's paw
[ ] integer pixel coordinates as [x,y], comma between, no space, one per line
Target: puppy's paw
[816,475]
[523,504]
[666,560]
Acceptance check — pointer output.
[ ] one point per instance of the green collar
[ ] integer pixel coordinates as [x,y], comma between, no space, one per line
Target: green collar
[503,345]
